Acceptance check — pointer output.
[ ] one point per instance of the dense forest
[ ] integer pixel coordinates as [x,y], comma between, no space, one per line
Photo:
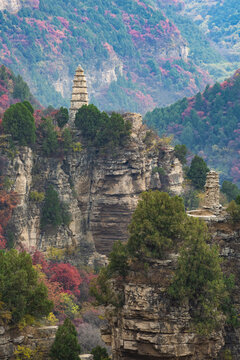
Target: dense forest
[138,39]
[208,124]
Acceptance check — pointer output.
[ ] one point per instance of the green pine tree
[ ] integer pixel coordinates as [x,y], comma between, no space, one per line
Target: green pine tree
[65,346]
[198,172]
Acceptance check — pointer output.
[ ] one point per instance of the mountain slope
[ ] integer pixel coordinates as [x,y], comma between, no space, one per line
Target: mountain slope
[209,124]
[13,89]
[133,55]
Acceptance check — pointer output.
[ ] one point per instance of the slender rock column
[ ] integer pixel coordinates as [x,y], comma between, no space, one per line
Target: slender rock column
[211,200]
[79,94]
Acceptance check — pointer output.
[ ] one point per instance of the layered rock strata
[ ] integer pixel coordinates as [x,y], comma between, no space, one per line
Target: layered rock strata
[39,339]
[102,191]
[79,93]
[150,326]
[212,192]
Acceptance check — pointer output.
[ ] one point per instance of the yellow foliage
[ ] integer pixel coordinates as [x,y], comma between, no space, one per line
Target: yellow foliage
[71,309]
[25,353]
[36,196]
[52,319]
[166,140]
[77,147]
[27,320]
[55,253]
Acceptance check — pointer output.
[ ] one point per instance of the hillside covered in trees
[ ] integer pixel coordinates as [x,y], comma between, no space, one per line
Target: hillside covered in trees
[143,51]
[208,124]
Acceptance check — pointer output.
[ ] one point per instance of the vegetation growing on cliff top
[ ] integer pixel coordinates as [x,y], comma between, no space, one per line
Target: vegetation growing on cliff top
[160,225]
[208,124]
[100,129]
[18,121]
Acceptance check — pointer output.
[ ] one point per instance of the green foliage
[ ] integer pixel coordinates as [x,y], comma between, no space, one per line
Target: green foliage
[157,225]
[233,210]
[230,190]
[199,279]
[181,153]
[20,287]
[19,122]
[62,117]
[36,196]
[65,345]
[191,199]
[118,260]
[67,140]
[198,172]
[50,140]
[100,353]
[99,129]
[21,90]
[54,212]
[159,170]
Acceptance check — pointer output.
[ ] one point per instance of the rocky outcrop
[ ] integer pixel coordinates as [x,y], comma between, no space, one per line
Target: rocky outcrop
[102,191]
[149,326]
[12,6]
[35,338]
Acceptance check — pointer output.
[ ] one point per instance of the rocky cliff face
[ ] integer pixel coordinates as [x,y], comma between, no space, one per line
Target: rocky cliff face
[101,189]
[34,338]
[150,326]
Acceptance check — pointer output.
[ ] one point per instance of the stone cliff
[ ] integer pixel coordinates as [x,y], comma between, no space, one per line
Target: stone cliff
[150,326]
[101,189]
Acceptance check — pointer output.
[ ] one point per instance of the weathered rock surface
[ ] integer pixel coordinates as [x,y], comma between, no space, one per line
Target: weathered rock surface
[149,326]
[32,337]
[102,191]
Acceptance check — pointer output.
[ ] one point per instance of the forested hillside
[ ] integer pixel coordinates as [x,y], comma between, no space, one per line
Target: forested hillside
[209,125]
[12,90]
[134,57]
[219,21]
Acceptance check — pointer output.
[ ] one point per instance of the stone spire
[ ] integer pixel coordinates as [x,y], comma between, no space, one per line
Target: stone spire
[211,200]
[79,93]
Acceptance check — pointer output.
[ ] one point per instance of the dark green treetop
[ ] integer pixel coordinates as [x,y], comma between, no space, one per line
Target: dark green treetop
[65,346]
[20,288]
[198,172]
[18,121]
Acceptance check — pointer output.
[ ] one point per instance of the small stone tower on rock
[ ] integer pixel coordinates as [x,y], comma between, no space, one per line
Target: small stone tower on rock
[211,200]
[79,94]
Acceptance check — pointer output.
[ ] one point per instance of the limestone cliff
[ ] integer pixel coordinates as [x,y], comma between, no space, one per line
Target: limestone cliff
[149,326]
[101,189]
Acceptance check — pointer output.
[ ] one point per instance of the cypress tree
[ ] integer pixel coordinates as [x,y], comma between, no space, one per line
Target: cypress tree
[65,346]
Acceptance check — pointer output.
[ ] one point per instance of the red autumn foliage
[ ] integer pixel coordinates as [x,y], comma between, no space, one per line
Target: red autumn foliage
[39,259]
[68,276]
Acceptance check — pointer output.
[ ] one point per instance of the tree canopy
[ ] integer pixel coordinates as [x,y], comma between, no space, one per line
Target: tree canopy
[65,345]
[198,172]
[18,121]
[20,288]
[157,224]
[100,129]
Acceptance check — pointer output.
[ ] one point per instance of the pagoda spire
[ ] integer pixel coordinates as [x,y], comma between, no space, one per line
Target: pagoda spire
[79,93]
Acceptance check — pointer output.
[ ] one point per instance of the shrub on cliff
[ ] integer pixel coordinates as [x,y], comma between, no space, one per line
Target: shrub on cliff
[198,172]
[99,129]
[62,117]
[20,288]
[200,280]
[157,224]
[18,121]
[49,135]
[233,210]
[100,353]
[65,345]
[54,212]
